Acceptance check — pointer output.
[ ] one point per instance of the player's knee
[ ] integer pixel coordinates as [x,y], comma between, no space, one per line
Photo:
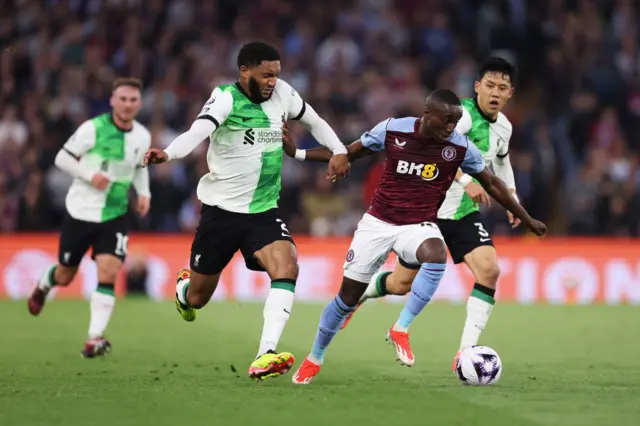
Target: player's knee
[432,250]
[64,275]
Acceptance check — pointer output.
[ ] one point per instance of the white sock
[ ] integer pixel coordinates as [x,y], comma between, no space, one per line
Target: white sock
[478,312]
[101,307]
[181,291]
[277,310]
[373,290]
[46,281]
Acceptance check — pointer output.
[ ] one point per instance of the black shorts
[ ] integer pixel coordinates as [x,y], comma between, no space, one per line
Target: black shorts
[221,233]
[464,235]
[77,236]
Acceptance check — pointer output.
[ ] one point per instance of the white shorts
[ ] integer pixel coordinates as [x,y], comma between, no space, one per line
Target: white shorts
[375,239]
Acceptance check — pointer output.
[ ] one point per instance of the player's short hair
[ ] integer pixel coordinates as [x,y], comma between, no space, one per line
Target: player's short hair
[127,81]
[252,54]
[499,65]
[445,97]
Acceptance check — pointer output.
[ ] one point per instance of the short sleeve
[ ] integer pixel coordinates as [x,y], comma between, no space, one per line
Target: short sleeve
[464,125]
[473,162]
[218,107]
[82,140]
[374,138]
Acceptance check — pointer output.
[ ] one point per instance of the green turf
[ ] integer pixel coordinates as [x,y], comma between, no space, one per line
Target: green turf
[562,366]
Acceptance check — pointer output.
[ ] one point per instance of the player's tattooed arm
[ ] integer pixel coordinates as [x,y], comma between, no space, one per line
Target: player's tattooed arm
[498,190]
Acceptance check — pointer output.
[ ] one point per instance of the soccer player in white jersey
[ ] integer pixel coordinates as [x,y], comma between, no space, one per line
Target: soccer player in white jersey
[105,156]
[240,194]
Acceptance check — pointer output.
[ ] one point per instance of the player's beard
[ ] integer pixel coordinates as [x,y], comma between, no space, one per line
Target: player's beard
[254,91]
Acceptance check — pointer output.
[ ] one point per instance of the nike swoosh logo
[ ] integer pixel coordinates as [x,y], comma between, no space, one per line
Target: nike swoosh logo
[246,118]
[287,311]
[483,240]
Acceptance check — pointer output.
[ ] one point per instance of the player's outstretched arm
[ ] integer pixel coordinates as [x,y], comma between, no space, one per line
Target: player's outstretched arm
[183,145]
[323,155]
[499,190]
[214,112]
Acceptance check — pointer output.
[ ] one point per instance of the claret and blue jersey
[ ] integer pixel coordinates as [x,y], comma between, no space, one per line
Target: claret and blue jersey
[417,172]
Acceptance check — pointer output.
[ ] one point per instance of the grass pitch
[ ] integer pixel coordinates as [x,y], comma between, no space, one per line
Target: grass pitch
[562,366]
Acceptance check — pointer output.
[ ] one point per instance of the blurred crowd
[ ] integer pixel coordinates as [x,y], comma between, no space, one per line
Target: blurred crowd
[576,109]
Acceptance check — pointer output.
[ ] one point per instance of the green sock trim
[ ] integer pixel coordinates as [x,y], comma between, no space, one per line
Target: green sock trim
[52,272]
[382,291]
[483,296]
[284,286]
[106,289]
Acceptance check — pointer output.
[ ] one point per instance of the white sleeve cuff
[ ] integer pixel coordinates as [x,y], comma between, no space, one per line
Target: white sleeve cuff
[301,154]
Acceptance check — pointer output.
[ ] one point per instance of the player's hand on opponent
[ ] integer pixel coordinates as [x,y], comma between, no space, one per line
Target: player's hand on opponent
[287,143]
[143,205]
[100,181]
[477,193]
[339,167]
[536,227]
[155,156]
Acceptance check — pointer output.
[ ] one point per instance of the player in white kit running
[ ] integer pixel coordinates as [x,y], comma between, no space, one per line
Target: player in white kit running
[240,194]
[105,157]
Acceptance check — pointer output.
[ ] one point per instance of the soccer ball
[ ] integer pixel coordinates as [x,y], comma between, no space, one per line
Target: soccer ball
[479,366]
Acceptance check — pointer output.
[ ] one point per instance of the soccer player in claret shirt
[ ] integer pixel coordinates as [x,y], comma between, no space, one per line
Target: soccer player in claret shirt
[240,193]
[423,156]
[105,157]
[459,217]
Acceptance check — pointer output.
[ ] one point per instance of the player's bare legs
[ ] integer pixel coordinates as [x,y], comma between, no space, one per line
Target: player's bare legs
[383,283]
[432,255]
[54,275]
[483,262]
[280,260]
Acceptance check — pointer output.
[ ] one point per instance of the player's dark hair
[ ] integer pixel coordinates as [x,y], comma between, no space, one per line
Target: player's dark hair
[127,81]
[498,65]
[252,54]
[444,96]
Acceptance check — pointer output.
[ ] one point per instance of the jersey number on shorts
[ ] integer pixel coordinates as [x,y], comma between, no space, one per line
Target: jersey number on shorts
[285,231]
[484,235]
[121,244]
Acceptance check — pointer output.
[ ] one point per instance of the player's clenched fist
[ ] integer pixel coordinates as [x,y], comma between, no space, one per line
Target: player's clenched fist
[155,156]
